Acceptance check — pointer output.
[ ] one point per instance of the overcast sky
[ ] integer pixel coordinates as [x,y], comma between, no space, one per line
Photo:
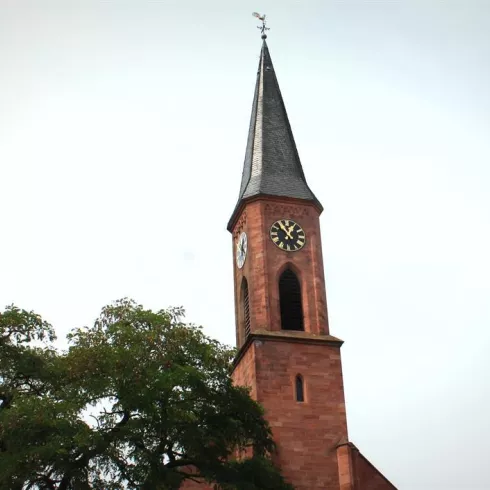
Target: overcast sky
[123,127]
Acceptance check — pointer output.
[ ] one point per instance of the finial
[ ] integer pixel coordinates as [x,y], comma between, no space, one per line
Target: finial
[262,28]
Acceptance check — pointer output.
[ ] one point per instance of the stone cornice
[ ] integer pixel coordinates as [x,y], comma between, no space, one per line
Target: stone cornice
[287,336]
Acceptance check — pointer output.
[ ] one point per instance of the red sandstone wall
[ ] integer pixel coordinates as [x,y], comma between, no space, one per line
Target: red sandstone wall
[265,262]
[357,473]
[306,433]
[190,485]
[245,374]
[346,475]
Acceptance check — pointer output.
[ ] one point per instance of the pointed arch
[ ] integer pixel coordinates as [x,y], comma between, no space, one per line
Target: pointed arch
[245,309]
[299,388]
[290,301]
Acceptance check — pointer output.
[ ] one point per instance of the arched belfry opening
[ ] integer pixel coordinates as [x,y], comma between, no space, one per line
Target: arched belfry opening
[299,388]
[290,301]
[245,309]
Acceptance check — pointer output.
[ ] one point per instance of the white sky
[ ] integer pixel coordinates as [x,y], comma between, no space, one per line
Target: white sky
[123,127]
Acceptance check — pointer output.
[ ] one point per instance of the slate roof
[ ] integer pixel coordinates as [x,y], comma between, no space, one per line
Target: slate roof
[272,166]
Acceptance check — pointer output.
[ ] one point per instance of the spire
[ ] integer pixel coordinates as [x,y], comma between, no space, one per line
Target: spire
[272,166]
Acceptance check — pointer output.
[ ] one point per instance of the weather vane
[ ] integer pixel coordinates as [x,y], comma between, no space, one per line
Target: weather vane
[262,28]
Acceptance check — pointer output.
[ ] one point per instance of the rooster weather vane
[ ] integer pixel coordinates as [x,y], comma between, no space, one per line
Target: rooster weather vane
[263,27]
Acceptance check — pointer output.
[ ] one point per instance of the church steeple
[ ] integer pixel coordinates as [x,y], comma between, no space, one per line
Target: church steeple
[286,355]
[272,166]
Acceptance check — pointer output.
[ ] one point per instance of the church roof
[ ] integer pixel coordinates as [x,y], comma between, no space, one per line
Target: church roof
[272,166]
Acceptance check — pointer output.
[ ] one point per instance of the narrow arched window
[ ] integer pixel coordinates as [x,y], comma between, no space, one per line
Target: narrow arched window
[245,305]
[300,389]
[290,301]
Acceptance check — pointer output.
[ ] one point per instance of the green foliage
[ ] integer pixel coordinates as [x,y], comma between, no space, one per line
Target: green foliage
[140,400]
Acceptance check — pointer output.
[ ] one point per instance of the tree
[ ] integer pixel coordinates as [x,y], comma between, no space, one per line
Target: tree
[139,401]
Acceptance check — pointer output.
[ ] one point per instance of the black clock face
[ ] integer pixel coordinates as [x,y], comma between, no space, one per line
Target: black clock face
[288,235]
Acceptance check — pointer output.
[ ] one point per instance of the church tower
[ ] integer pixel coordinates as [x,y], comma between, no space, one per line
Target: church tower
[286,353]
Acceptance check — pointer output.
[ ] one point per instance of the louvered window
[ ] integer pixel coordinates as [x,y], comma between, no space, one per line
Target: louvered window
[290,301]
[245,308]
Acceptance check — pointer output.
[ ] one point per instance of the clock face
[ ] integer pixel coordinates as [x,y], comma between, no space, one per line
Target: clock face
[241,249]
[288,235]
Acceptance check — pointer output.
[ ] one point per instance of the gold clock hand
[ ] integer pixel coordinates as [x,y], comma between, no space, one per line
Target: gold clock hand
[285,230]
